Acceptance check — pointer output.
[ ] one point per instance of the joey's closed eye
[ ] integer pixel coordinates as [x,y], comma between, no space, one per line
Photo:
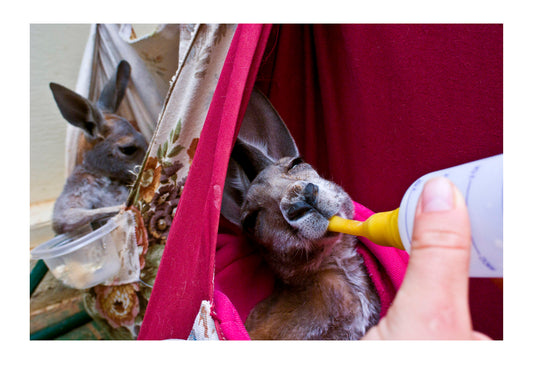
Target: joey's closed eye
[128,150]
[295,162]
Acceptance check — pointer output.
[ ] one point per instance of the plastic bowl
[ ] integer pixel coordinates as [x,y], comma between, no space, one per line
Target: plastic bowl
[83,258]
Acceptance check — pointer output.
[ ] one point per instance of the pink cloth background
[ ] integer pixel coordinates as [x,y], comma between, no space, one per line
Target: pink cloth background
[372,107]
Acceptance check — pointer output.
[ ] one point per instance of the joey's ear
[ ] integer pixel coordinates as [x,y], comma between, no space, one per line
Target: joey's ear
[77,110]
[263,127]
[235,188]
[246,162]
[114,90]
[263,139]
[251,159]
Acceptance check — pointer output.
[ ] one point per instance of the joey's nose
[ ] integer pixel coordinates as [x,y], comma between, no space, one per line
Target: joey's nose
[310,193]
[307,203]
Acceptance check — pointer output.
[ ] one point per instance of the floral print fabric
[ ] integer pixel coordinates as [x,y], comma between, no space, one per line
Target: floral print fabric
[156,192]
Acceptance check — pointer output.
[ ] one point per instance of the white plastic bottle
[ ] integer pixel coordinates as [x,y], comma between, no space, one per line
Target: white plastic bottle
[481,183]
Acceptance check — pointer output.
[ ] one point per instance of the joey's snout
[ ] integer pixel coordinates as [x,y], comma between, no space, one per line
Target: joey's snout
[304,210]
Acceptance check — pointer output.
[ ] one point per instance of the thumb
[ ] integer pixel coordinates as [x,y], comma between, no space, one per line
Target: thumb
[437,274]
[441,237]
[432,302]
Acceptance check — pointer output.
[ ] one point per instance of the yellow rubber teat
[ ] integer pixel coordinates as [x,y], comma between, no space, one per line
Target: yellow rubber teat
[380,228]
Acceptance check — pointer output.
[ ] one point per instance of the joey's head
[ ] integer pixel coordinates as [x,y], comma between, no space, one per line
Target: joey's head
[280,201]
[114,146]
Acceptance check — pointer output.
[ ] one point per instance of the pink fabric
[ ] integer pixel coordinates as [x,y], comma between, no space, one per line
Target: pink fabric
[241,274]
[374,107]
[185,275]
[230,323]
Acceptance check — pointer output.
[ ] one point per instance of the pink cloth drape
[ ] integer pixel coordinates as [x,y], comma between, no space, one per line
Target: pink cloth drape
[185,275]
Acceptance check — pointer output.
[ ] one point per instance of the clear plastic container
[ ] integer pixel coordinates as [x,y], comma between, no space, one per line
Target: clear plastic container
[83,258]
[481,183]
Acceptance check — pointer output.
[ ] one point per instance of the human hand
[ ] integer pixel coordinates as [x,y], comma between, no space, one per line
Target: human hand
[432,302]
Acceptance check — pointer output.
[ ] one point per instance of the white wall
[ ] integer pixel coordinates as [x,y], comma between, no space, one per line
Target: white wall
[55,55]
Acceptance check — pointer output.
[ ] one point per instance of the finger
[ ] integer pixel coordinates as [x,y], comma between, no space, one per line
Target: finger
[441,235]
[480,336]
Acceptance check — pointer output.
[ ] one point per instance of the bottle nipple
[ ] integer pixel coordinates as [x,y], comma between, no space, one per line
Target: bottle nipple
[381,228]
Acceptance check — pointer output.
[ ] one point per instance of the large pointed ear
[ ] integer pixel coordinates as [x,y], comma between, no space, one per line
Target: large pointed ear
[114,90]
[262,126]
[245,164]
[263,139]
[77,110]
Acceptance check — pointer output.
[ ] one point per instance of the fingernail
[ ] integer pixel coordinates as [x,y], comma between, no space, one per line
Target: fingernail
[437,195]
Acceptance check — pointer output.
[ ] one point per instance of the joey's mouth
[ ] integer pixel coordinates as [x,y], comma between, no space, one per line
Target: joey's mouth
[330,233]
[307,208]
[301,209]
[308,221]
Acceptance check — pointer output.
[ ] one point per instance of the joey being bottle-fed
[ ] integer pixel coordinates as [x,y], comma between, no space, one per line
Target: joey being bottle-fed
[480,182]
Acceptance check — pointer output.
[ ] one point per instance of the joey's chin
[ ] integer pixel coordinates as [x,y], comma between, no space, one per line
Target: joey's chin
[332,236]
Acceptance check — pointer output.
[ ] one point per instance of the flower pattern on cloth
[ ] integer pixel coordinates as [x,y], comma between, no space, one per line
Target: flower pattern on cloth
[160,217]
[118,304]
[159,185]
[149,179]
[204,327]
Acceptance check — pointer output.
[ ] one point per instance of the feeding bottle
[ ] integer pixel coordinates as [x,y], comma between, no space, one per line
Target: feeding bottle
[480,182]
